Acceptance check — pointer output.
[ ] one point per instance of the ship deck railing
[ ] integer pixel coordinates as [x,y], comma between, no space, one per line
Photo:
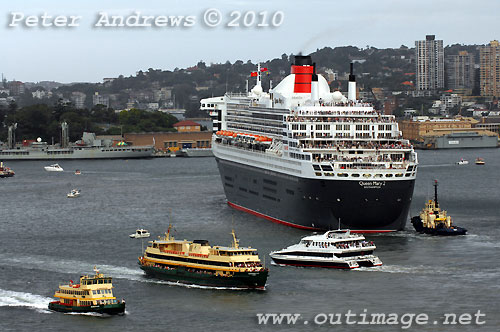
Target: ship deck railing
[304,110]
[382,165]
[331,118]
[340,137]
[359,147]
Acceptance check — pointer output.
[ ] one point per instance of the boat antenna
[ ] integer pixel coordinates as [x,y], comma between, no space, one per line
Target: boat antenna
[339,223]
[436,193]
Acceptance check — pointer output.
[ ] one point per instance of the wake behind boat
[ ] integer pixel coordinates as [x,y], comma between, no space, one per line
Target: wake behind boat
[333,249]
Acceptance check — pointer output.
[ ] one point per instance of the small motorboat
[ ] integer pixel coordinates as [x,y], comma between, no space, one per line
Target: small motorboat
[5,172]
[54,168]
[463,162]
[74,193]
[78,172]
[479,161]
[140,233]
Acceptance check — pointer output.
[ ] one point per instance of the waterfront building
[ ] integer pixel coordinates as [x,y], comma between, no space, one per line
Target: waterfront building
[187,126]
[446,133]
[171,141]
[417,127]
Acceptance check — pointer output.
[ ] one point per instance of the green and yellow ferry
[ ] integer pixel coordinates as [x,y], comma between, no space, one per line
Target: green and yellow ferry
[196,262]
[92,294]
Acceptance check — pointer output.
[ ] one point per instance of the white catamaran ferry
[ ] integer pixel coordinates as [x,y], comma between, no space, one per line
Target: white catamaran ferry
[334,249]
[307,157]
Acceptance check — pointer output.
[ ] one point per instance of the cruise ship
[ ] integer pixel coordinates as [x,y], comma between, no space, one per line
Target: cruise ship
[306,157]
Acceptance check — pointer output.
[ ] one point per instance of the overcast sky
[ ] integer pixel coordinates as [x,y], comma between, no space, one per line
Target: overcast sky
[89,53]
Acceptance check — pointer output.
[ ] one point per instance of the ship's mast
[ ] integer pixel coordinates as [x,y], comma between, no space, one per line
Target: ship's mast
[259,81]
[236,242]
[436,193]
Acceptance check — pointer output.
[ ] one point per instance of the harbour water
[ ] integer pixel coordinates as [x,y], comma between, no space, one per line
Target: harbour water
[47,239]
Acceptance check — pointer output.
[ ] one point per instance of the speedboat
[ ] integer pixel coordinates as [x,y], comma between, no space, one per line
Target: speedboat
[140,233]
[333,249]
[54,168]
[74,193]
[463,162]
[78,172]
[479,161]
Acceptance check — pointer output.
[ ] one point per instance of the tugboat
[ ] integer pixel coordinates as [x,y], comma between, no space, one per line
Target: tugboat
[334,249]
[432,220]
[5,172]
[92,294]
[196,262]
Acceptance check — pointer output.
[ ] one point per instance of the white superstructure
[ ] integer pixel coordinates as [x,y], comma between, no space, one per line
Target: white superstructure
[333,249]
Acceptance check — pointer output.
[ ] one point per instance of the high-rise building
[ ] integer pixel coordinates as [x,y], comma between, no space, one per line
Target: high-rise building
[16,88]
[78,99]
[460,72]
[489,73]
[98,99]
[430,63]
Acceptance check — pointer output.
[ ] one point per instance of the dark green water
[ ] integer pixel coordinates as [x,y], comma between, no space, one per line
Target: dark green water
[47,239]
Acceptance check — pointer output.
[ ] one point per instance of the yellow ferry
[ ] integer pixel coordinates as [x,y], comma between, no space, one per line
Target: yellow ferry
[92,294]
[196,262]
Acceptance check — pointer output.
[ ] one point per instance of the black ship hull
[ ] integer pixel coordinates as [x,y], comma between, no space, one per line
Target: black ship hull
[110,309]
[243,280]
[443,231]
[315,204]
